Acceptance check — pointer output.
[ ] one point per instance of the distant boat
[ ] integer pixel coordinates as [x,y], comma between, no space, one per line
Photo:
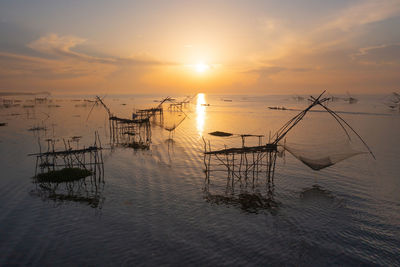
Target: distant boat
[205,105]
[298,98]
[278,108]
[227,100]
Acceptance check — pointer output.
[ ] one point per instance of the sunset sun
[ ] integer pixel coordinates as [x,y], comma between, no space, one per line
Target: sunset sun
[201,67]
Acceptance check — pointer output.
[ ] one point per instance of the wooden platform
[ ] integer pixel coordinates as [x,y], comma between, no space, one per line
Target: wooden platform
[242,150]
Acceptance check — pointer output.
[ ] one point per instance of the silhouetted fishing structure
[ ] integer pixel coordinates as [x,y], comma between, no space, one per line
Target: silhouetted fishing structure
[242,163]
[174,115]
[151,112]
[133,135]
[137,128]
[116,120]
[350,99]
[172,119]
[73,174]
[244,186]
[175,106]
[393,101]
[52,162]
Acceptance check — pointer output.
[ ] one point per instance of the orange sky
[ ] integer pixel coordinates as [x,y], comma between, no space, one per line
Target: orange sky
[240,47]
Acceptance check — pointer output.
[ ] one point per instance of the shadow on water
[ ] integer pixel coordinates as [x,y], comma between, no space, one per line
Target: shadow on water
[317,196]
[316,193]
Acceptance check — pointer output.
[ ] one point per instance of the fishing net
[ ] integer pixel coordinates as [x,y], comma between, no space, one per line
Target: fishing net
[320,139]
[173,119]
[318,157]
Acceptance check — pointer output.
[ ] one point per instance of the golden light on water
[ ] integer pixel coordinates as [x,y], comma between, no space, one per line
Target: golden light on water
[201,113]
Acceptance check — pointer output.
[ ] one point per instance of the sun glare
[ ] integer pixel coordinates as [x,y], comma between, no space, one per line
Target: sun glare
[201,67]
[201,113]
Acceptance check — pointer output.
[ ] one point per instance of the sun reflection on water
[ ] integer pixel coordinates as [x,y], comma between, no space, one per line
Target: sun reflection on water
[201,113]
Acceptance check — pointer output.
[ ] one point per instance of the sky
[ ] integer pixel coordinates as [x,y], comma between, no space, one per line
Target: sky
[185,47]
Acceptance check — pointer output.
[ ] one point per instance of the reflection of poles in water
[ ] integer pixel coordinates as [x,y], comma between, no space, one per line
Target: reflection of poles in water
[170,148]
[87,191]
[171,134]
[248,194]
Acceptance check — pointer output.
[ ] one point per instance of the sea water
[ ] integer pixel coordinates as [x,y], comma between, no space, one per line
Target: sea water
[154,209]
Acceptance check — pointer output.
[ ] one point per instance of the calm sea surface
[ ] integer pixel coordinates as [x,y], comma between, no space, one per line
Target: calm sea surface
[153,207]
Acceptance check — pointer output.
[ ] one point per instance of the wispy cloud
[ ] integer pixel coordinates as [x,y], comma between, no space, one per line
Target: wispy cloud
[366,50]
[56,45]
[16,65]
[267,71]
[56,58]
[329,44]
[363,13]
[63,47]
[385,54]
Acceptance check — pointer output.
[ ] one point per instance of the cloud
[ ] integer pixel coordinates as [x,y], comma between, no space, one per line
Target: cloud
[56,58]
[385,54]
[15,65]
[364,13]
[267,71]
[54,44]
[328,46]
[268,24]
[56,62]
[363,51]
[62,47]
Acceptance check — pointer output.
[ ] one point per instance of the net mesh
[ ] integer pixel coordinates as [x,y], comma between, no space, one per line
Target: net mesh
[322,138]
[173,119]
[322,156]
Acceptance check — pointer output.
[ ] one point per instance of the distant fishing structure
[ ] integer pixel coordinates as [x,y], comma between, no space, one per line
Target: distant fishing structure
[132,135]
[137,129]
[350,99]
[152,112]
[394,101]
[175,115]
